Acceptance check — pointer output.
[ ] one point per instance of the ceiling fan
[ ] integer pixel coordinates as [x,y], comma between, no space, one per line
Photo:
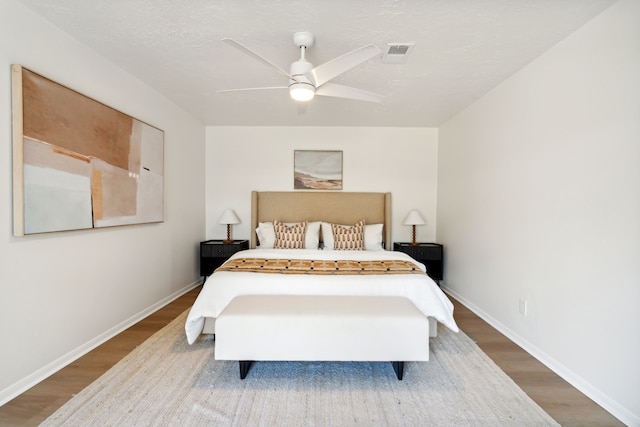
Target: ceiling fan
[306,81]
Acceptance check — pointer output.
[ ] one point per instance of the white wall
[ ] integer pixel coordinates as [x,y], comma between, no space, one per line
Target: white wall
[539,199]
[62,293]
[400,160]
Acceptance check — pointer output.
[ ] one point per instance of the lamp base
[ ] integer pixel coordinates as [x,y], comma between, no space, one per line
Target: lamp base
[228,239]
[413,236]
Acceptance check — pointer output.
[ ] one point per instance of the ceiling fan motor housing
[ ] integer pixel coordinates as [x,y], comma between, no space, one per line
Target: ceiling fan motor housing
[301,88]
[299,72]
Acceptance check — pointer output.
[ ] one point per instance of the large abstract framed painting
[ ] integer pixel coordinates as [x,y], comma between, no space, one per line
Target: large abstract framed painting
[317,170]
[79,164]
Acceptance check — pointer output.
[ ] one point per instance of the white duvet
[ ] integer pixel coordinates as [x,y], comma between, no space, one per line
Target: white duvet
[221,287]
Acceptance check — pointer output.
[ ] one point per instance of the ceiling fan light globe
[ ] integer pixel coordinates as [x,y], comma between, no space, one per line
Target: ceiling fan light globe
[301,91]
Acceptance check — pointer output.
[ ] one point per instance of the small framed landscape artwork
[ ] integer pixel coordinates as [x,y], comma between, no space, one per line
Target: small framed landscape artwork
[317,170]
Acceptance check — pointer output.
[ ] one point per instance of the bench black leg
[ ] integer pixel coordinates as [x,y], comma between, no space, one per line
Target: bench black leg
[245,365]
[399,368]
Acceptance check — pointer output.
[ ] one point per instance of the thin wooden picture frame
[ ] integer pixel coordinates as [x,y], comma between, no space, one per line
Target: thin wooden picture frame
[317,169]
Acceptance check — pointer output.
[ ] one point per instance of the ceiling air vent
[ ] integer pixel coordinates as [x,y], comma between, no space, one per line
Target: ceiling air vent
[397,53]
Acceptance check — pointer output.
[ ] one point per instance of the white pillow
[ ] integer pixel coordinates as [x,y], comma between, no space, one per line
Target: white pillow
[372,236]
[267,235]
[312,236]
[327,236]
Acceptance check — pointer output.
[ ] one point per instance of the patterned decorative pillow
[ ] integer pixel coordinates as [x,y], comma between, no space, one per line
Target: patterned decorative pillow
[348,238]
[289,236]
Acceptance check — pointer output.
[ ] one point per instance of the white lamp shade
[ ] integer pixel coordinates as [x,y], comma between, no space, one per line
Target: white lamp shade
[414,218]
[228,217]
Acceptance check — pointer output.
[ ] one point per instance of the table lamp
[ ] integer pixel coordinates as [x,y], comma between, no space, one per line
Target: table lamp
[228,217]
[414,218]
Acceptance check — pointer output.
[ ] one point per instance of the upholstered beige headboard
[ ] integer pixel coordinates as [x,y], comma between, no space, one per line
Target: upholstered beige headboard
[335,207]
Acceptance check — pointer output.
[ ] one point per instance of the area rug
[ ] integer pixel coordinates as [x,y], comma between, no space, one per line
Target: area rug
[166,382]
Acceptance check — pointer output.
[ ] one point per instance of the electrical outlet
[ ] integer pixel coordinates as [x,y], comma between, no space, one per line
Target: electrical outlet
[522,307]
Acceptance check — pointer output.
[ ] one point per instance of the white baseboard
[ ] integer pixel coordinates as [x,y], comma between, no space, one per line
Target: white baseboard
[613,407]
[29,381]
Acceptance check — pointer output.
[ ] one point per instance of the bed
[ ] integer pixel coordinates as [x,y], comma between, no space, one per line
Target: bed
[340,208]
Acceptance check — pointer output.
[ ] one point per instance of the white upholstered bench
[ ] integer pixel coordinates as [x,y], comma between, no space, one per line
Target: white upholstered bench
[321,328]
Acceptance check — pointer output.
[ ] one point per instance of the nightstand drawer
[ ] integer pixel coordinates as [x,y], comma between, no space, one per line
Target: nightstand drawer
[213,250]
[424,252]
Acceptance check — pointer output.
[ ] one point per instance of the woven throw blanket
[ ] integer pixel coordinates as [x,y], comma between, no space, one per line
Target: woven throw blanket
[307,266]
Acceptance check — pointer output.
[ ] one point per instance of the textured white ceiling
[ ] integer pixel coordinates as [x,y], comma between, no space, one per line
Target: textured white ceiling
[463,48]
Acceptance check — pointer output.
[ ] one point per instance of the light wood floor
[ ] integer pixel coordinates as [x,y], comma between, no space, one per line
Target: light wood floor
[563,402]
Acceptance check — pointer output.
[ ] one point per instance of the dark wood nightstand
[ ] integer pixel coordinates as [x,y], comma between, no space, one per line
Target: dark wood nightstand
[430,254]
[215,252]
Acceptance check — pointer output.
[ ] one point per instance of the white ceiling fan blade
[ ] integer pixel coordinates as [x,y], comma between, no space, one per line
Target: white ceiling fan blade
[327,71]
[260,58]
[340,91]
[251,88]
